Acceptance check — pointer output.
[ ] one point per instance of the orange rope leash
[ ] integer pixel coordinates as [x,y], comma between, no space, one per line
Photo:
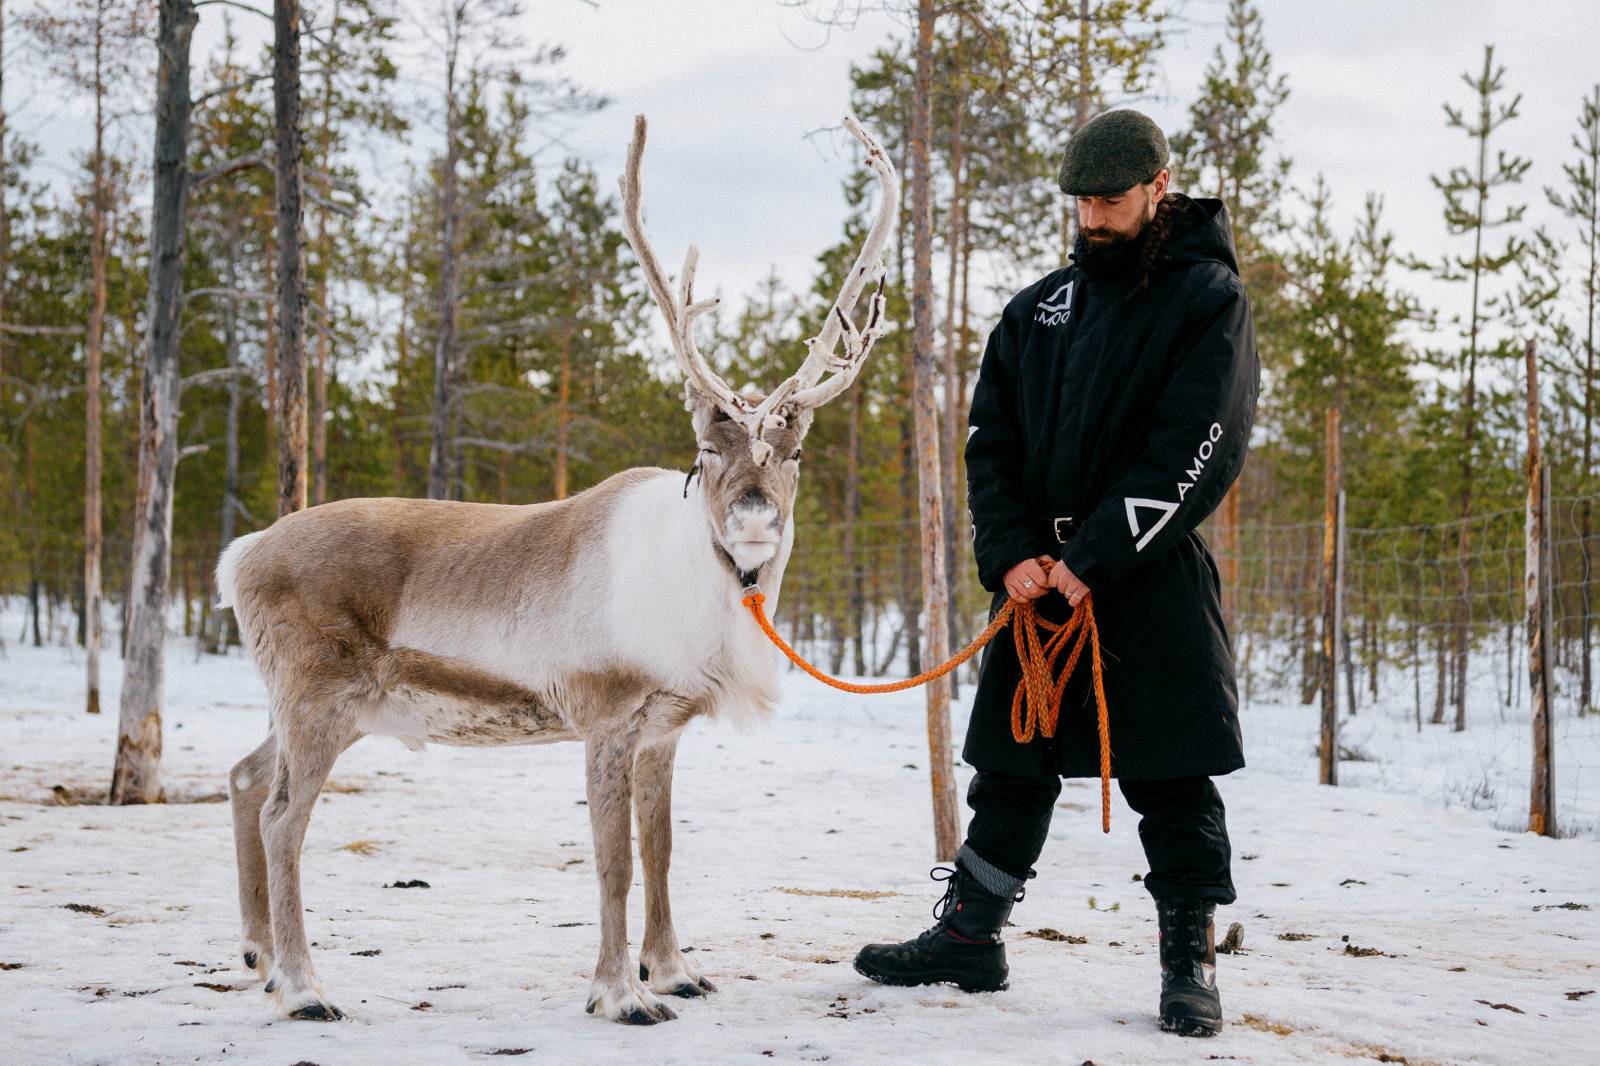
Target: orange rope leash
[1036,704]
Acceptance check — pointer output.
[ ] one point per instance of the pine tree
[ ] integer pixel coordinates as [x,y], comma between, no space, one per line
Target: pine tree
[1226,150]
[1579,202]
[1344,319]
[1467,190]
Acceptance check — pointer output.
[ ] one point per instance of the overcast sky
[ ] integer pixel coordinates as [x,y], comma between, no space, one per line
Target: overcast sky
[732,88]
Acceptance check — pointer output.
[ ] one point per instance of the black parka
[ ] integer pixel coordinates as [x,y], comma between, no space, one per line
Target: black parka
[1125,413]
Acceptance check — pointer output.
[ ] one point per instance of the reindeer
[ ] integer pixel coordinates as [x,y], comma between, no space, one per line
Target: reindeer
[612,617]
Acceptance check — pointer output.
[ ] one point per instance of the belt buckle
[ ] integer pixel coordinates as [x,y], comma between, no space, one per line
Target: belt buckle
[1061,536]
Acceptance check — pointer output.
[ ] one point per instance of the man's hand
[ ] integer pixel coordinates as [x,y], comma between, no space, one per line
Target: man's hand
[1026,580]
[1066,582]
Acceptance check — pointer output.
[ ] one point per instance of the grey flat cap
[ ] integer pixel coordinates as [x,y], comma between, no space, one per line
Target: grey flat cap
[1112,153]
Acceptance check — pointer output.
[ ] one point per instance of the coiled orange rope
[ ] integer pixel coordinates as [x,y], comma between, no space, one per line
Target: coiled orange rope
[1036,704]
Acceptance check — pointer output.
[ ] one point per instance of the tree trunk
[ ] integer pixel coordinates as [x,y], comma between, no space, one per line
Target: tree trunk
[93,345]
[950,440]
[5,217]
[291,261]
[271,348]
[319,413]
[910,594]
[136,777]
[849,626]
[1591,292]
[1536,594]
[926,414]
[218,637]
[1328,770]
[563,415]
[1440,677]
[444,346]
[1469,438]
[33,605]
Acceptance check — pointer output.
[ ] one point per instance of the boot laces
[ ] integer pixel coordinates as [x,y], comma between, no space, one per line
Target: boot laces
[946,874]
[952,877]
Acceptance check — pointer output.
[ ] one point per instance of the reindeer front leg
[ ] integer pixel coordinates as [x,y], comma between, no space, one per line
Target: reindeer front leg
[661,962]
[616,992]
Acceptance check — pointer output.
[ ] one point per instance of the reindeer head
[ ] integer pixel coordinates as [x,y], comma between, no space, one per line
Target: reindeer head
[747,502]
[750,445]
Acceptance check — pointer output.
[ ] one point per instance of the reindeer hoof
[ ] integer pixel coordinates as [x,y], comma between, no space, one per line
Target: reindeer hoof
[318,1012]
[642,1016]
[250,960]
[629,1006]
[301,998]
[688,990]
[693,986]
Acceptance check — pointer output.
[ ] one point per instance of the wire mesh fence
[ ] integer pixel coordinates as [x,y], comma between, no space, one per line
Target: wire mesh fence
[1432,671]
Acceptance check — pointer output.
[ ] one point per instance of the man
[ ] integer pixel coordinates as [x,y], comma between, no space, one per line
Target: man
[1112,411]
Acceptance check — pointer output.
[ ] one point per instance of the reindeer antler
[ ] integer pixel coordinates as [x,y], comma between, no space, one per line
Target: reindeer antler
[820,356]
[681,310]
[806,387]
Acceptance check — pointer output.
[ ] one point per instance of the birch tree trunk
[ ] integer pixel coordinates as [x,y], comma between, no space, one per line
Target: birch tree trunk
[926,415]
[136,777]
[291,261]
[1536,594]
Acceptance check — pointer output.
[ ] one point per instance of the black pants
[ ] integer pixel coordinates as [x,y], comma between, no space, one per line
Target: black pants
[1181,825]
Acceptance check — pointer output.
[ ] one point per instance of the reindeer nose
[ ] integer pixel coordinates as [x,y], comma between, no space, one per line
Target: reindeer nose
[752,511]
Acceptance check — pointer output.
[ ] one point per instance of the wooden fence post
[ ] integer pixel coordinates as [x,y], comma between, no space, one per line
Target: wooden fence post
[1537,595]
[1332,578]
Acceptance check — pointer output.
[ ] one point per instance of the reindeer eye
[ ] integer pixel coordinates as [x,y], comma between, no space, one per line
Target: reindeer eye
[710,451]
[796,456]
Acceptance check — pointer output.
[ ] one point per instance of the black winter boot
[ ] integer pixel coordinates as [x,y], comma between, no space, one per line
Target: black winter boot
[963,947]
[1190,1005]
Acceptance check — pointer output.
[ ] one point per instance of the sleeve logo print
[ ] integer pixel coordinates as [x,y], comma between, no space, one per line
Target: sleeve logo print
[1191,473]
[1054,309]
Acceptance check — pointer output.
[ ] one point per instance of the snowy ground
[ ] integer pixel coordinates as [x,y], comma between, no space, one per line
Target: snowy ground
[1425,934]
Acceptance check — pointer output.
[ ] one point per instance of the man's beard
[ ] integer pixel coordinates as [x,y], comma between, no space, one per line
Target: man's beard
[1102,237]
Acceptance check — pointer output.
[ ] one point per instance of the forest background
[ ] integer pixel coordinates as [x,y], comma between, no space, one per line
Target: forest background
[474,326]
